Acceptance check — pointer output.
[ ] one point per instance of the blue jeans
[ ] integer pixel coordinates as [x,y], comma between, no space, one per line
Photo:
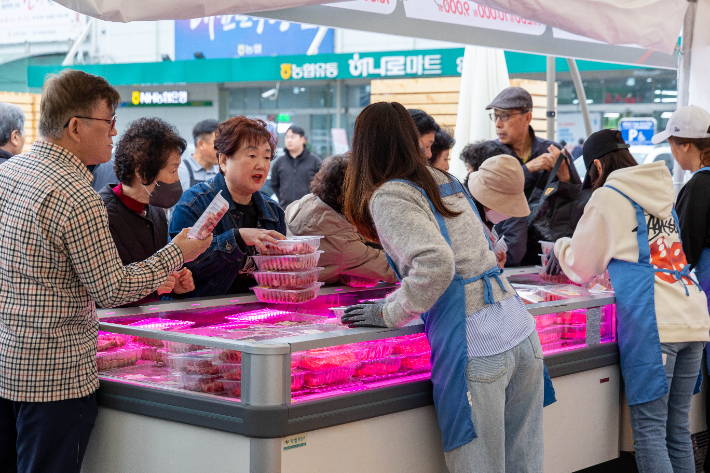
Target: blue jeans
[661,428]
[507,393]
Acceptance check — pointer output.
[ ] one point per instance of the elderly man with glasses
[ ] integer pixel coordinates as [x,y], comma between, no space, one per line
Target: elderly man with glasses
[512,115]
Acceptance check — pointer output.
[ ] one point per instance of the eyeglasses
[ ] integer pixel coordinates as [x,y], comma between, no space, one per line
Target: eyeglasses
[111,121]
[504,117]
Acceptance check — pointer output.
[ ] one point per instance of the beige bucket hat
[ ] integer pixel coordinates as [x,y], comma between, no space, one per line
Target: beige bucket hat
[499,184]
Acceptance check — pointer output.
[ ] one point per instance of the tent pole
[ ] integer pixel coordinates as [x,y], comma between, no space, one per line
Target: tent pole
[686,43]
[581,95]
[551,98]
[69,59]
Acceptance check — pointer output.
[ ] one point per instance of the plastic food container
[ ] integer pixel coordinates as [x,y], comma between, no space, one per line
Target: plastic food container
[203,383]
[412,344]
[152,342]
[287,263]
[544,320]
[108,340]
[227,356]
[417,362]
[179,347]
[287,279]
[553,346]
[149,353]
[575,331]
[326,358]
[338,311]
[117,358]
[329,376]
[530,297]
[287,296]
[550,334]
[574,317]
[209,218]
[296,358]
[378,367]
[567,291]
[232,387]
[358,281]
[377,349]
[298,378]
[547,246]
[543,260]
[302,245]
[230,370]
[193,363]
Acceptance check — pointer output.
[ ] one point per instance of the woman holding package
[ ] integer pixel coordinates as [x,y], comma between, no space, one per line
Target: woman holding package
[321,213]
[688,133]
[245,149]
[487,368]
[630,228]
[147,158]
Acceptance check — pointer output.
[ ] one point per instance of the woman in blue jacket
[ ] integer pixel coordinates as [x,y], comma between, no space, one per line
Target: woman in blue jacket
[245,148]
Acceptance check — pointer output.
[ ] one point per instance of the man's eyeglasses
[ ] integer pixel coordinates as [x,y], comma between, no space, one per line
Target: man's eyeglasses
[111,121]
[504,117]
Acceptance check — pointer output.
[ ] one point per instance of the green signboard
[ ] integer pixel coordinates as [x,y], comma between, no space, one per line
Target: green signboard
[391,64]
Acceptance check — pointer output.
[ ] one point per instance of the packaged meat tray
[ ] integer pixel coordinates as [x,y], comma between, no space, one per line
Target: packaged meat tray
[377,349]
[550,334]
[296,358]
[575,331]
[559,279]
[193,363]
[574,317]
[529,296]
[232,387]
[209,218]
[566,291]
[117,358]
[180,347]
[287,296]
[358,281]
[298,378]
[378,367]
[227,356]
[544,320]
[152,342]
[546,347]
[286,279]
[203,383]
[326,358]
[230,370]
[287,263]
[412,344]
[108,340]
[149,353]
[420,362]
[297,245]
[328,376]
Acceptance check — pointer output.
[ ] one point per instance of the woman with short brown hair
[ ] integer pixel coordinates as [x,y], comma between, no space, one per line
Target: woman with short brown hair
[245,148]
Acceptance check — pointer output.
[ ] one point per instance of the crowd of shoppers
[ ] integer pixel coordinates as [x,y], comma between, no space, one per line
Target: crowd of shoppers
[113,245]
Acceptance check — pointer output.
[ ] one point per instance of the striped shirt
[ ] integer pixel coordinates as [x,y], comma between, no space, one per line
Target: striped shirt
[498,327]
[57,257]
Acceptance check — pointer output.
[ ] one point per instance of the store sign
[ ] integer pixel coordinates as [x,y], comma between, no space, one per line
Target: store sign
[159,98]
[441,62]
[36,21]
[464,12]
[232,36]
[637,131]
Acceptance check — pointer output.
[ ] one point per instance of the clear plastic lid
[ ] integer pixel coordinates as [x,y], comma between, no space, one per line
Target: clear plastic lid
[162,324]
[203,383]
[295,245]
[376,349]
[288,262]
[232,387]
[199,362]
[378,366]
[329,376]
[333,357]
[287,296]
[287,279]
[209,218]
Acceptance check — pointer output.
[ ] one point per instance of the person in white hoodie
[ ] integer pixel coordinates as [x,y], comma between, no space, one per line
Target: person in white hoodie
[630,228]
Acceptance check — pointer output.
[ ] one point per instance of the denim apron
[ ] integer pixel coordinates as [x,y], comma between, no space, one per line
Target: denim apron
[702,273]
[445,327]
[637,329]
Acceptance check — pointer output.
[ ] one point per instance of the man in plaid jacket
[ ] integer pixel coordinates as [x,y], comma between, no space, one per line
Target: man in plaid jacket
[57,259]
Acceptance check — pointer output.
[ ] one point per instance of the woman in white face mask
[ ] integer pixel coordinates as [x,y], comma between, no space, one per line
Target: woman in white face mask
[498,190]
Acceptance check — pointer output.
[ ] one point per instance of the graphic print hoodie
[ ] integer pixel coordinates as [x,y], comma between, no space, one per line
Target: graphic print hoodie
[608,230]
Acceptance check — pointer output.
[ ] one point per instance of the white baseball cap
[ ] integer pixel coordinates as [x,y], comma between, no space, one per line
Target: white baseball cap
[686,122]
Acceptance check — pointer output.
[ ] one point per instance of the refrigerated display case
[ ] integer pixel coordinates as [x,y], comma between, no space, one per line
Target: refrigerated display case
[235,384]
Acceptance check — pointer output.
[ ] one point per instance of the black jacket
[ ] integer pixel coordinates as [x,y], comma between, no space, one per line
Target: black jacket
[693,207]
[136,237]
[4,156]
[291,178]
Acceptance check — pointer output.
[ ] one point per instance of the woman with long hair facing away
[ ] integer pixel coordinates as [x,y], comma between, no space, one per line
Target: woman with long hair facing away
[487,368]
[630,228]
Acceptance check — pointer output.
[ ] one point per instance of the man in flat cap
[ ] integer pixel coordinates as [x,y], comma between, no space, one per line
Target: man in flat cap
[512,114]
